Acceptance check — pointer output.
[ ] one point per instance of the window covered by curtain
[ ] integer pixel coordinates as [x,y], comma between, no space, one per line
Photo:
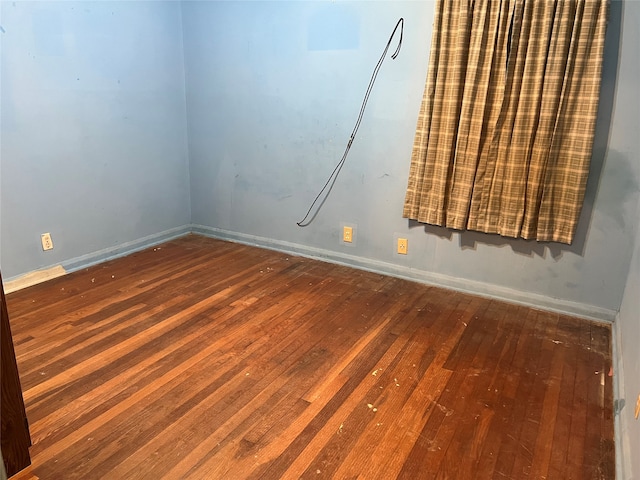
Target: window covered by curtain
[507,120]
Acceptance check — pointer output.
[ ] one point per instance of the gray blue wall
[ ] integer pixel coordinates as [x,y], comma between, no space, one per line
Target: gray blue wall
[93,129]
[105,145]
[271,104]
[627,326]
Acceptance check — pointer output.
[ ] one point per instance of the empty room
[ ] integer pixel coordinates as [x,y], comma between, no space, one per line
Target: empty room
[320,239]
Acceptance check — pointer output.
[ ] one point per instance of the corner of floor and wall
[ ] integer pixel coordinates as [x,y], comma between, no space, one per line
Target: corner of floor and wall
[126,124]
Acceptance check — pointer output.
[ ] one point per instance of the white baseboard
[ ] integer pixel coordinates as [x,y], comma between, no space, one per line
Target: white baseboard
[124,249]
[78,263]
[622,449]
[529,299]
[33,278]
[468,286]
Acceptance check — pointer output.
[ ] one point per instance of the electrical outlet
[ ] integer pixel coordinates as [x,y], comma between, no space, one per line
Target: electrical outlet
[347,234]
[47,243]
[403,246]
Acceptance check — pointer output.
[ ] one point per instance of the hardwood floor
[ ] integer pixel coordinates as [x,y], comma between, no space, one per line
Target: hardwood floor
[205,359]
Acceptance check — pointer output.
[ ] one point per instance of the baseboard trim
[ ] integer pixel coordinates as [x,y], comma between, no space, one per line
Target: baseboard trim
[124,249]
[468,286]
[622,450]
[94,258]
[33,278]
[528,299]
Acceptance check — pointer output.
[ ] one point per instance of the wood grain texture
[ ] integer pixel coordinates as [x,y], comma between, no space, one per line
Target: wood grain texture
[14,431]
[205,359]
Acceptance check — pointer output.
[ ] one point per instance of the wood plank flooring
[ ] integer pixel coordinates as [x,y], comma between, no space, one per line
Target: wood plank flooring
[206,359]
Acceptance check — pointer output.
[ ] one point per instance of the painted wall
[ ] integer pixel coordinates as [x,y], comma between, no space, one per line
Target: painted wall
[273,91]
[94,141]
[93,132]
[628,322]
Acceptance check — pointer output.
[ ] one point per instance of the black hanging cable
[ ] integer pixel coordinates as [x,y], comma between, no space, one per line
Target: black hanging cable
[334,175]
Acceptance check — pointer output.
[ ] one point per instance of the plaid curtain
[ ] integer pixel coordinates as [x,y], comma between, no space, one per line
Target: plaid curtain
[505,130]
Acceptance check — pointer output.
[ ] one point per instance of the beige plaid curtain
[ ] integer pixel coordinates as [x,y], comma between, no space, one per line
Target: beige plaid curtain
[506,125]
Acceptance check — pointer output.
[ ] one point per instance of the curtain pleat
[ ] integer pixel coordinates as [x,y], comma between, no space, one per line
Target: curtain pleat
[506,125]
